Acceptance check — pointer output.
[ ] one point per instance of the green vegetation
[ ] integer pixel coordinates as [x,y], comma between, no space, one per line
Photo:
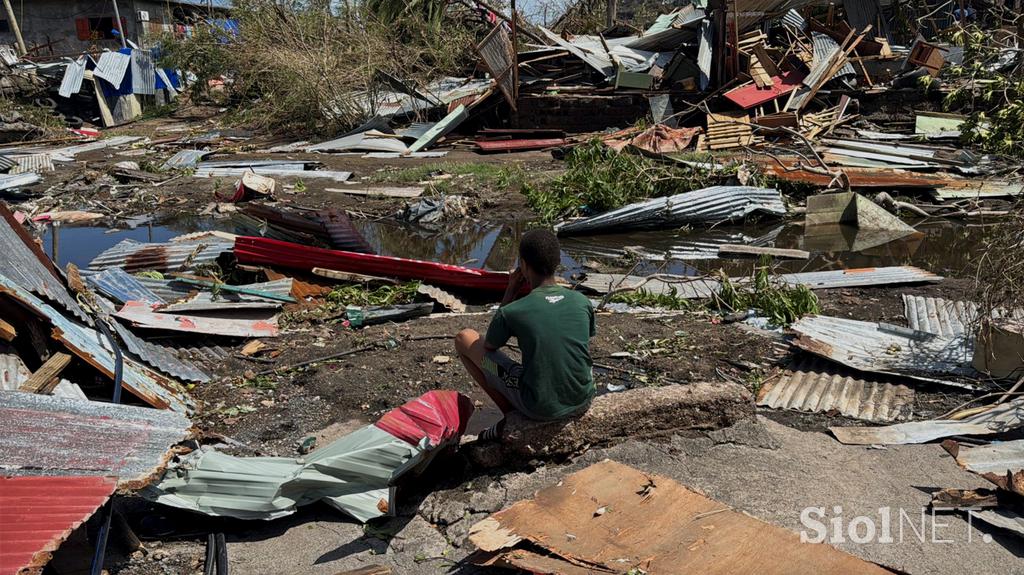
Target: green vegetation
[990,94]
[598,179]
[781,303]
[299,67]
[359,295]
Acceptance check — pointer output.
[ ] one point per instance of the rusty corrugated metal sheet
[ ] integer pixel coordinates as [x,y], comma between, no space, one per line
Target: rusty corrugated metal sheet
[997,458]
[53,436]
[37,514]
[817,386]
[518,145]
[344,236]
[883,348]
[26,264]
[133,256]
[86,343]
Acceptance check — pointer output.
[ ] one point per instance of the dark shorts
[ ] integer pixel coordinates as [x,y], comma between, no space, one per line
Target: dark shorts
[504,375]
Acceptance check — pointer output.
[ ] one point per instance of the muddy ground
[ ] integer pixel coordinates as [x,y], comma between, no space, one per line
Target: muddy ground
[265,406]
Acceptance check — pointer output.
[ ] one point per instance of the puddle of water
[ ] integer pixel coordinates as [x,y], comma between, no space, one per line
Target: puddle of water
[944,248]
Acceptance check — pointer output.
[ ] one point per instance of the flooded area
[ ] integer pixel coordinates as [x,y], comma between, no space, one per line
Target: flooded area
[944,247]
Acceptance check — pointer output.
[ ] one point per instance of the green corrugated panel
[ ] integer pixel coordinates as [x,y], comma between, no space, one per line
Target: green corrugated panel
[354,474]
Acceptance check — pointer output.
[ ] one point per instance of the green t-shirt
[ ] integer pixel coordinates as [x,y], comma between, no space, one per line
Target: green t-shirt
[553,326]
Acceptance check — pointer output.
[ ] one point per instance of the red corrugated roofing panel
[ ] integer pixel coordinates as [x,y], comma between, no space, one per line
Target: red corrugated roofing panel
[253,250]
[437,415]
[38,513]
[750,95]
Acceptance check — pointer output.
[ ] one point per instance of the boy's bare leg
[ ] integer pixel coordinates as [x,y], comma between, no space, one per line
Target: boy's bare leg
[470,347]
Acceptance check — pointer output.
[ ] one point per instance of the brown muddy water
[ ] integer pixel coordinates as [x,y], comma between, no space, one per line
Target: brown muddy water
[946,248]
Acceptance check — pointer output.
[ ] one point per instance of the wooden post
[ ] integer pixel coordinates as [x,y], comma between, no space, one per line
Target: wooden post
[15,28]
[515,54]
[120,28]
[613,8]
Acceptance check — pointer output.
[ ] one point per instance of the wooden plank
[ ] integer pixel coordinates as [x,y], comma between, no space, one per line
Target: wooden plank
[726,250]
[101,101]
[351,276]
[390,192]
[7,331]
[47,376]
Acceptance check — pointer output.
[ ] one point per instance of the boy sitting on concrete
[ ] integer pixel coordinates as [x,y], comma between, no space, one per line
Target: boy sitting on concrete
[553,326]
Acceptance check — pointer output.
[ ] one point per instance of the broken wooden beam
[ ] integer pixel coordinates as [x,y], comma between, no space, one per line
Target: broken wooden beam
[7,331]
[729,250]
[46,378]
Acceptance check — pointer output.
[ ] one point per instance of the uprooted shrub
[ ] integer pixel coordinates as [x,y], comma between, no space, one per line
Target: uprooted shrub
[295,66]
[597,179]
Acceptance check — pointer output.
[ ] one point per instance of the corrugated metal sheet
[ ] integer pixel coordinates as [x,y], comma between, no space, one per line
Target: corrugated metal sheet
[671,32]
[45,435]
[344,236]
[824,48]
[817,386]
[6,163]
[135,256]
[68,153]
[701,247]
[32,163]
[361,142]
[600,63]
[705,206]
[143,72]
[1000,419]
[37,514]
[112,66]
[184,159]
[298,165]
[74,74]
[995,458]
[945,317]
[120,285]
[704,53]
[861,277]
[12,181]
[280,172]
[813,280]
[160,357]
[355,474]
[881,348]
[93,348]
[498,55]
[794,20]
[142,315]
[27,266]
[172,291]
[680,286]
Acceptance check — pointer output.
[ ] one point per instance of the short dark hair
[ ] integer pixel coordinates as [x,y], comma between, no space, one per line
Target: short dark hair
[540,250]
